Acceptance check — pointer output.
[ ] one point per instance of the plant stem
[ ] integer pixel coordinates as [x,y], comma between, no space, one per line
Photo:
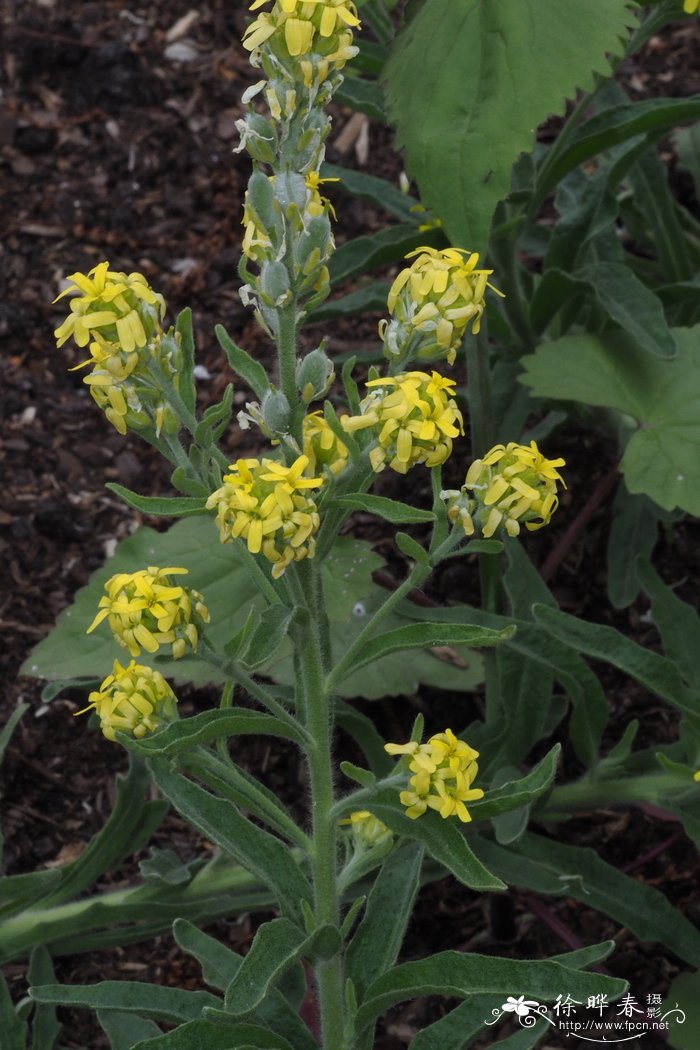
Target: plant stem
[287,362]
[319,724]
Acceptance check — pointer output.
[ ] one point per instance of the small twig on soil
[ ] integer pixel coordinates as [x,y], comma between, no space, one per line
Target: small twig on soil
[653,852]
[596,499]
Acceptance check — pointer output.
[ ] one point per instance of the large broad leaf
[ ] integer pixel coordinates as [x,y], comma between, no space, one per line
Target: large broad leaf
[350,597]
[468,83]
[661,458]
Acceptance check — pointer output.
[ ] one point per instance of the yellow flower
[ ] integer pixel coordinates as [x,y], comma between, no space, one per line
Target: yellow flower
[512,484]
[691,6]
[265,504]
[123,308]
[321,446]
[367,829]
[145,610]
[414,418]
[443,771]
[696,776]
[316,35]
[432,303]
[134,700]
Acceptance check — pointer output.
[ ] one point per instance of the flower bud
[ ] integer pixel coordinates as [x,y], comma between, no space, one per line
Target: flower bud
[314,375]
[276,412]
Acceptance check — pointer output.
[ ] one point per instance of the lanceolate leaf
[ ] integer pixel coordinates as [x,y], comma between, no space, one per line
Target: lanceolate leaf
[257,850]
[376,944]
[147,1000]
[207,1035]
[441,838]
[159,506]
[520,792]
[125,1031]
[211,725]
[460,87]
[45,1027]
[460,974]
[547,866]
[14,1028]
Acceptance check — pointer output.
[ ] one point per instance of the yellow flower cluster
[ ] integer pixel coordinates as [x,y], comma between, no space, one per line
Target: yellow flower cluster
[118,316]
[512,484]
[367,830]
[121,307]
[443,771]
[134,700]
[145,610]
[691,6]
[432,303]
[414,417]
[265,503]
[316,34]
[321,446]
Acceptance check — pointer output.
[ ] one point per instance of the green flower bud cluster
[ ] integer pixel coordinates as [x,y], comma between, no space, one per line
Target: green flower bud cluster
[289,239]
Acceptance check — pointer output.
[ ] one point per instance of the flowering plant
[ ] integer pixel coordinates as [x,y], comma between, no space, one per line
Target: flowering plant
[415,809]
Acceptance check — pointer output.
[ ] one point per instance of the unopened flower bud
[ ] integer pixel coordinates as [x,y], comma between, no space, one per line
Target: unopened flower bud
[314,375]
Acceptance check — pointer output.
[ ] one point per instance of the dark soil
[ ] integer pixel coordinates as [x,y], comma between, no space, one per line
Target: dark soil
[116,139]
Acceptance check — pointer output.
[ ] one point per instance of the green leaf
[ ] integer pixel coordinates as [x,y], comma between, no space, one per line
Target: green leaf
[459,974]
[129,827]
[547,866]
[633,534]
[424,636]
[441,838]
[458,1028]
[212,725]
[14,1028]
[366,253]
[649,183]
[613,126]
[375,945]
[159,506]
[125,1031]
[658,674]
[590,705]
[19,891]
[631,305]
[250,370]
[686,142]
[258,851]
[358,774]
[186,388]
[683,994]
[381,192]
[219,964]
[164,868]
[364,732]
[147,1000]
[277,946]
[45,1026]
[677,622]
[10,726]
[266,637]
[388,509]
[521,792]
[364,96]
[661,395]
[464,135]
[208,1035]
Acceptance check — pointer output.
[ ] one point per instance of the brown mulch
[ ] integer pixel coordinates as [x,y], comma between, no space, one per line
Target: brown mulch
[116,135]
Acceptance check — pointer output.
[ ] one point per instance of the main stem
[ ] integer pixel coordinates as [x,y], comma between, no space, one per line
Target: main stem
[319,724]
